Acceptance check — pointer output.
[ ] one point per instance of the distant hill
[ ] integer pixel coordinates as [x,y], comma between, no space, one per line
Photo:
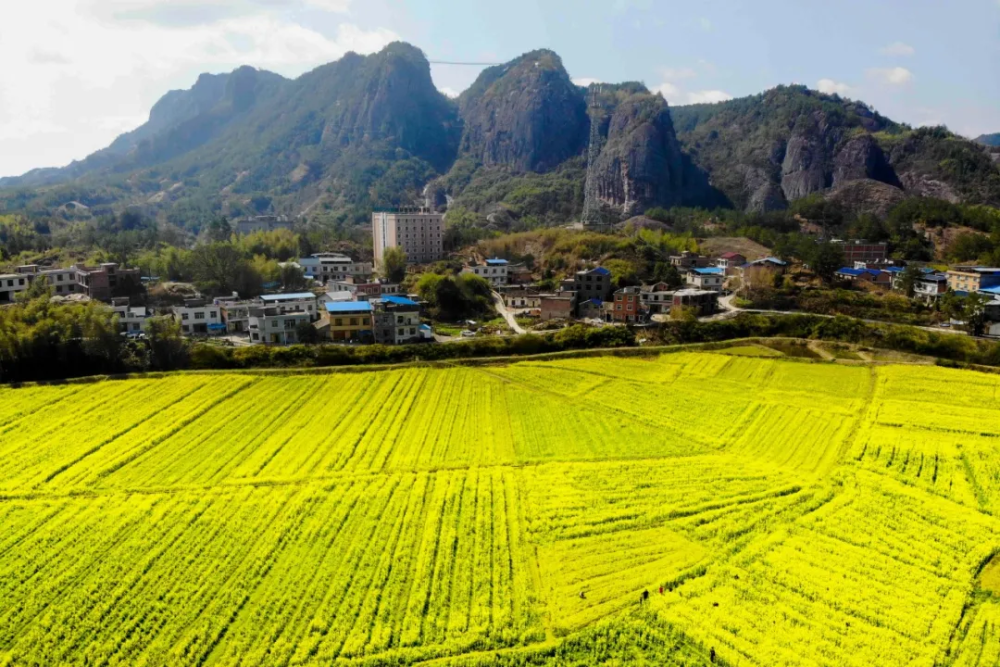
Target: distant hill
[989,139]
[510,152]
[770,149]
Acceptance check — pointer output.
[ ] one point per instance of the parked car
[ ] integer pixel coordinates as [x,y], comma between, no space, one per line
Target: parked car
[468,334]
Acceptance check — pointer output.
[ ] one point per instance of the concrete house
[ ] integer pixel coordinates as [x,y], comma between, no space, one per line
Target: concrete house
[656,298]
[493,270]
[593,284]
[972,278]
[627,305]
[708,278]
[199,317]
[347,322]
[327,266]
[296,302]
[397,320]
[272,325]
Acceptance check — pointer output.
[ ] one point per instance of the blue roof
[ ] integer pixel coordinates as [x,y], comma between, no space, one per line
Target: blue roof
[601,271]
[711,271]
[847,271]
[425,327]
[893,269]
[596,302]
[282,297]
[349,307]
[990,290]
[400,300]
[216,327]
[496,262]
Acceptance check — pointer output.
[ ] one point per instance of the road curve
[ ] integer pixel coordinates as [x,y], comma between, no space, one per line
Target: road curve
[502,309]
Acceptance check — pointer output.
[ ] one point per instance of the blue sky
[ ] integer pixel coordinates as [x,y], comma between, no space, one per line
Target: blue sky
[79,72]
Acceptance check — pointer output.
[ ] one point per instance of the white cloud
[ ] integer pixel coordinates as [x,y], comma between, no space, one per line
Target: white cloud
[831,87]
[585,81]
[99,73]
[670,92]
[708,96]
[899,49]
[891,76]
[675,73]
[676,96]
[449,92]
[335,6]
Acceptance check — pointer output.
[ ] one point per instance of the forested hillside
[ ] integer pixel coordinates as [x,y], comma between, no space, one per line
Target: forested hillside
[510,153]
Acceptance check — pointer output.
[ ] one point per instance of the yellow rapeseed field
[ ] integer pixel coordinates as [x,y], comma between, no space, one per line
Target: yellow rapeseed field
[776,512]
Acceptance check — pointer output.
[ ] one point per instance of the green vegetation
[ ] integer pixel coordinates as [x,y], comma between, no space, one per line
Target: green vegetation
[456,297]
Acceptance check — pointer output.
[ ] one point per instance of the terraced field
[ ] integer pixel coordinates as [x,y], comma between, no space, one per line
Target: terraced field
[790,513]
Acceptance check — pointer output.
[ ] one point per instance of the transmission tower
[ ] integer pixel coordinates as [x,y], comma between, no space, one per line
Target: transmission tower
[591,200]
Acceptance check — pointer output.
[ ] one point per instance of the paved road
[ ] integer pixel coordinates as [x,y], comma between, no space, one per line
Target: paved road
[511,321]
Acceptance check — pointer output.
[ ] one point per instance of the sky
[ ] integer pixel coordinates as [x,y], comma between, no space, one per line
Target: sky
[74,74]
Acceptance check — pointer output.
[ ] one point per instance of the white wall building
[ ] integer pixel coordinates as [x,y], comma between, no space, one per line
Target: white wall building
[327,266]
[706,279]
[270,326]
[199,317]
[496,271]
[305,302]
[418,232]
[131,319]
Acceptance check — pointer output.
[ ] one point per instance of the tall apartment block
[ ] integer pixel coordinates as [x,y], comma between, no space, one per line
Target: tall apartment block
[418,231]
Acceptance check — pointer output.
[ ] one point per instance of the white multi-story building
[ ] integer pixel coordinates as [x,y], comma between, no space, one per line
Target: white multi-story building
[304,302]
[327,266]
[131,319]
[496,271]
[271,325]
[418,232]
[199,317]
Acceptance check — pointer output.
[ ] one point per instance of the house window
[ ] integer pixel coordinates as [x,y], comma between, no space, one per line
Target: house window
[184,316]
[213,314]
[199,316]
[338,322]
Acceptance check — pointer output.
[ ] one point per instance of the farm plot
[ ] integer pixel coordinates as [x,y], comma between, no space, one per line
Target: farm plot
[792,512]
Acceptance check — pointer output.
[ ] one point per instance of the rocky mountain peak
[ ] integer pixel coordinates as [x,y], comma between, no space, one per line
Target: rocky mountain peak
[527,114]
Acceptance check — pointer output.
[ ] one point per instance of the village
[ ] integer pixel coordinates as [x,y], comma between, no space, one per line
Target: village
[348,301]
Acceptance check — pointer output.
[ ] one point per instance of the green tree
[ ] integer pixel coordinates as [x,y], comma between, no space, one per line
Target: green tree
[908,280]
[167,348]
[394,265]
[825,260]
[307,333]
[219,229]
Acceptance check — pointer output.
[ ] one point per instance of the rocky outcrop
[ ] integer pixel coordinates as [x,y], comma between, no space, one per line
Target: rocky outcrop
[866,196]
[860,158]
[640,163]
[526,115]
[761,192]
[803,170]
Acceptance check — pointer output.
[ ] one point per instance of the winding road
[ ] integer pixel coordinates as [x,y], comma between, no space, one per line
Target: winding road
[507,315]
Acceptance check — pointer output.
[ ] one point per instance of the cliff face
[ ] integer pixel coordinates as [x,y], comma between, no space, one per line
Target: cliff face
[640,164]
[526,115]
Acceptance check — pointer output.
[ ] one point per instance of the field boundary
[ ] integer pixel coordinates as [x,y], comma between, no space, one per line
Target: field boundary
[646,351]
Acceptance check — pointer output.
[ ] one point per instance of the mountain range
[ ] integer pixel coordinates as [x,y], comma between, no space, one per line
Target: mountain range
[373,130]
